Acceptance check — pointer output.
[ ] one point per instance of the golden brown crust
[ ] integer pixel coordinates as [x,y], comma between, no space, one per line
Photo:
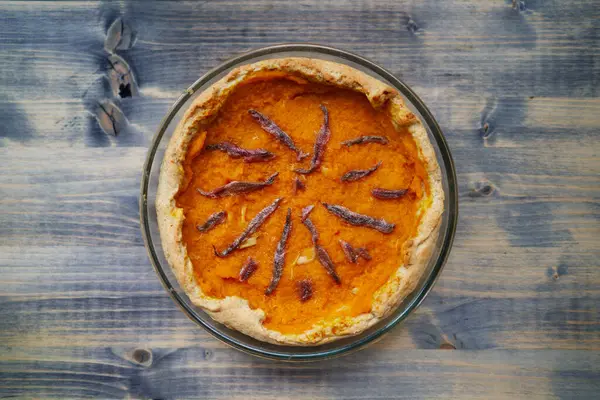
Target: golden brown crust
[234,311]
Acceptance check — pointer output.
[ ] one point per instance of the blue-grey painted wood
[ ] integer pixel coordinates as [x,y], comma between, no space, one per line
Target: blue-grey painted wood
[514,85]
[200,372]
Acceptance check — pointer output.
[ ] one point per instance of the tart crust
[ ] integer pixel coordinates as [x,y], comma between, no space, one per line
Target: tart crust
[235,311]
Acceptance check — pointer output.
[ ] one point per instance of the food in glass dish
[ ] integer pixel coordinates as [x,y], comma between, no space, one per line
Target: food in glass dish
[299,201]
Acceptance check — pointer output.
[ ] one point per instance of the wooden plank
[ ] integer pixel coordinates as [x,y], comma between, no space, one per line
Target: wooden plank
[515,90]
[538,195]
[525,278]
[224,373]
[454,57]
[94,296]
[456,42]
[90,199]
[548,122]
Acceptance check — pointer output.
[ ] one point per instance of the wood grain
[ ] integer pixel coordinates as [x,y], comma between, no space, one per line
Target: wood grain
[515,89]
[215,373]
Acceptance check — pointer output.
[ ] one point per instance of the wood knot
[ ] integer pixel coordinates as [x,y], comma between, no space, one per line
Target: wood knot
[488,119]
[121,78]
[119,36]
[556,272]
[486,130]
[207,354]
[518,5]
[412,26]
[482,189]
[486,190]
[110,117]
[142,357]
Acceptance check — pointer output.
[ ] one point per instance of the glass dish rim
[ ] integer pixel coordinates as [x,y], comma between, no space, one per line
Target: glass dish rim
[427,119]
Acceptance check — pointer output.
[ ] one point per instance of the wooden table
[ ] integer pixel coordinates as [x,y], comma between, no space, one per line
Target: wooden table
[514,85]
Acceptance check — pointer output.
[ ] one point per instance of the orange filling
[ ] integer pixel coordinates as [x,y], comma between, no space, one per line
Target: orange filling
[294,105]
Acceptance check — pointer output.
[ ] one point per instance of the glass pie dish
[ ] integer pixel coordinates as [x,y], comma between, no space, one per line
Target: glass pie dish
[151,234]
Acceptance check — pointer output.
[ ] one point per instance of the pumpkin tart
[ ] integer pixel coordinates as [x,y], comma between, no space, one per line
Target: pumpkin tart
[299,201]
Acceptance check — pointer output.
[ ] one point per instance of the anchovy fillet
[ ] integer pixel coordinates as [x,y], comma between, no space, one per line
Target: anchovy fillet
[305,289]
[357,219]
[385,194]
[366,139]
[212,221]
[235,151]
[322,255]
[247,269]
[279,259]
[349,251]
[320,144]
[298,185]
[354,175]
[237,187]
[271,127]
[253,225]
